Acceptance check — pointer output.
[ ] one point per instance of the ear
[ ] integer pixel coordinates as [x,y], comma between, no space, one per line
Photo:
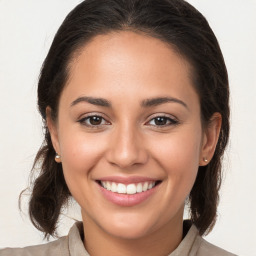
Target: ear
[52,126]
[210,139]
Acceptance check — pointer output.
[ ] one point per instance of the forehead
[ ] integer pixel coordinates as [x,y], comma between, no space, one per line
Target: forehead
[131,63]
[127,48]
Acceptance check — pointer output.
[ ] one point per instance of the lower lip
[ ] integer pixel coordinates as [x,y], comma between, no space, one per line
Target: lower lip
[125,199]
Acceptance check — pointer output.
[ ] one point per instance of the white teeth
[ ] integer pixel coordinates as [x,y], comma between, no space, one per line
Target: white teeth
[108,185]
[145,186]
[139,188]
[104,184]
[121,188]
[114,187]
[131,189]
[151,185]
[127,189]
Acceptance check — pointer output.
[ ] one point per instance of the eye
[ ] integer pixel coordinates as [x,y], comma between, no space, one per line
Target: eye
[162,121]
[93,120]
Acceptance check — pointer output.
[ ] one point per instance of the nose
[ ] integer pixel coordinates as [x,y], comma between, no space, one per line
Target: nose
[126,148]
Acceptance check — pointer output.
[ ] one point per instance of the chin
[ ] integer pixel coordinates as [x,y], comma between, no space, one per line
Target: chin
[128,232]
[129,227]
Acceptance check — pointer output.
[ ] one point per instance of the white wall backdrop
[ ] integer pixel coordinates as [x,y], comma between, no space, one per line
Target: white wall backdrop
[27,28]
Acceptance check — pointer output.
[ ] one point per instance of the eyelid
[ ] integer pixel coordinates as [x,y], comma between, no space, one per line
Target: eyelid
[173,120]
[162,115]
[89,114]
[84,117]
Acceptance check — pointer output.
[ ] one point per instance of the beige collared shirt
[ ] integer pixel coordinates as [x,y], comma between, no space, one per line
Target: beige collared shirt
[72,245]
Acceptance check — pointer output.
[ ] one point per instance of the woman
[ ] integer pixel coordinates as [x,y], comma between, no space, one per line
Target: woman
[134,95]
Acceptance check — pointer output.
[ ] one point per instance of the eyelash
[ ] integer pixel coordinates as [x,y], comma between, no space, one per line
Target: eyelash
[168,119]
[89,117]
[171,121]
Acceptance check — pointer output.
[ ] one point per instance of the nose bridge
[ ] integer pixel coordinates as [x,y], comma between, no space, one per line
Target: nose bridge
[127,146]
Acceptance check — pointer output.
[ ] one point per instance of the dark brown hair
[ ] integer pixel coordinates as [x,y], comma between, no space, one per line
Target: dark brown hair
[173,21]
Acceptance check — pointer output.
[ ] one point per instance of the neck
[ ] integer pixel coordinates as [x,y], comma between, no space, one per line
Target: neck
[160,242]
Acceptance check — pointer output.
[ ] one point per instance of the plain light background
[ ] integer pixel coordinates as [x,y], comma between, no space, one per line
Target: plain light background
[27,28]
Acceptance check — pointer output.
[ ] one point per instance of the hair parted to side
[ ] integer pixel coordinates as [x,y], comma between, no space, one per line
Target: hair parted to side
[173,21]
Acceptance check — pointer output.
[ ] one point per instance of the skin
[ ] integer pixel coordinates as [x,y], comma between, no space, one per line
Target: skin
[127,68]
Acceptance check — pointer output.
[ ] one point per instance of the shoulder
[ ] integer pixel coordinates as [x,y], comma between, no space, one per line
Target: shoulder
[55,248]
[71,244]
[206,248]
[194,245]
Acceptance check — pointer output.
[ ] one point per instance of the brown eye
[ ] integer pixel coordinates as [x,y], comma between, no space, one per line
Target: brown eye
[162,121]
[93,121]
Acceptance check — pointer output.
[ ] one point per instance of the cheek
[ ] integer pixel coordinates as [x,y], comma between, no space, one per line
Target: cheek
[178,156]
[179,148]
[80,152]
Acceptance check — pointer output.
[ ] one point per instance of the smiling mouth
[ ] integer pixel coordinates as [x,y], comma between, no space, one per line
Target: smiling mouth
[129,189]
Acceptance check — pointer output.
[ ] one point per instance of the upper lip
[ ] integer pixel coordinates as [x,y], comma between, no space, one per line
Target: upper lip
[127,180]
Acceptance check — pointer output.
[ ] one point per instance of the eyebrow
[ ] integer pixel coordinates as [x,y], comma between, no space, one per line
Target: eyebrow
[161,100]
[95,101]
[145,103]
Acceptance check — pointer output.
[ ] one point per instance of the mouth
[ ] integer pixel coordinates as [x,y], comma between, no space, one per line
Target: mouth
[128,189]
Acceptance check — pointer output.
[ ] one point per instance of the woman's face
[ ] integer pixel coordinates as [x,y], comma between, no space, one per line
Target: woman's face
[129,119]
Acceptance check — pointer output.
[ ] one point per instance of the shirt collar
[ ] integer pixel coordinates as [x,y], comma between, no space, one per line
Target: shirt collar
[188,246]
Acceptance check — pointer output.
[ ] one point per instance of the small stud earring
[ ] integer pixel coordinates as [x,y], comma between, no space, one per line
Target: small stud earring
[205,159]
[57,158]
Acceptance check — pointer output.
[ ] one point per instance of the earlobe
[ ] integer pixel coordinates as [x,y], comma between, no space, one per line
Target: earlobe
[52,130]
[210,139]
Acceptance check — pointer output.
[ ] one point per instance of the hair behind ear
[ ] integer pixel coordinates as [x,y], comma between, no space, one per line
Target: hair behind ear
[49,192]
[204,196]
